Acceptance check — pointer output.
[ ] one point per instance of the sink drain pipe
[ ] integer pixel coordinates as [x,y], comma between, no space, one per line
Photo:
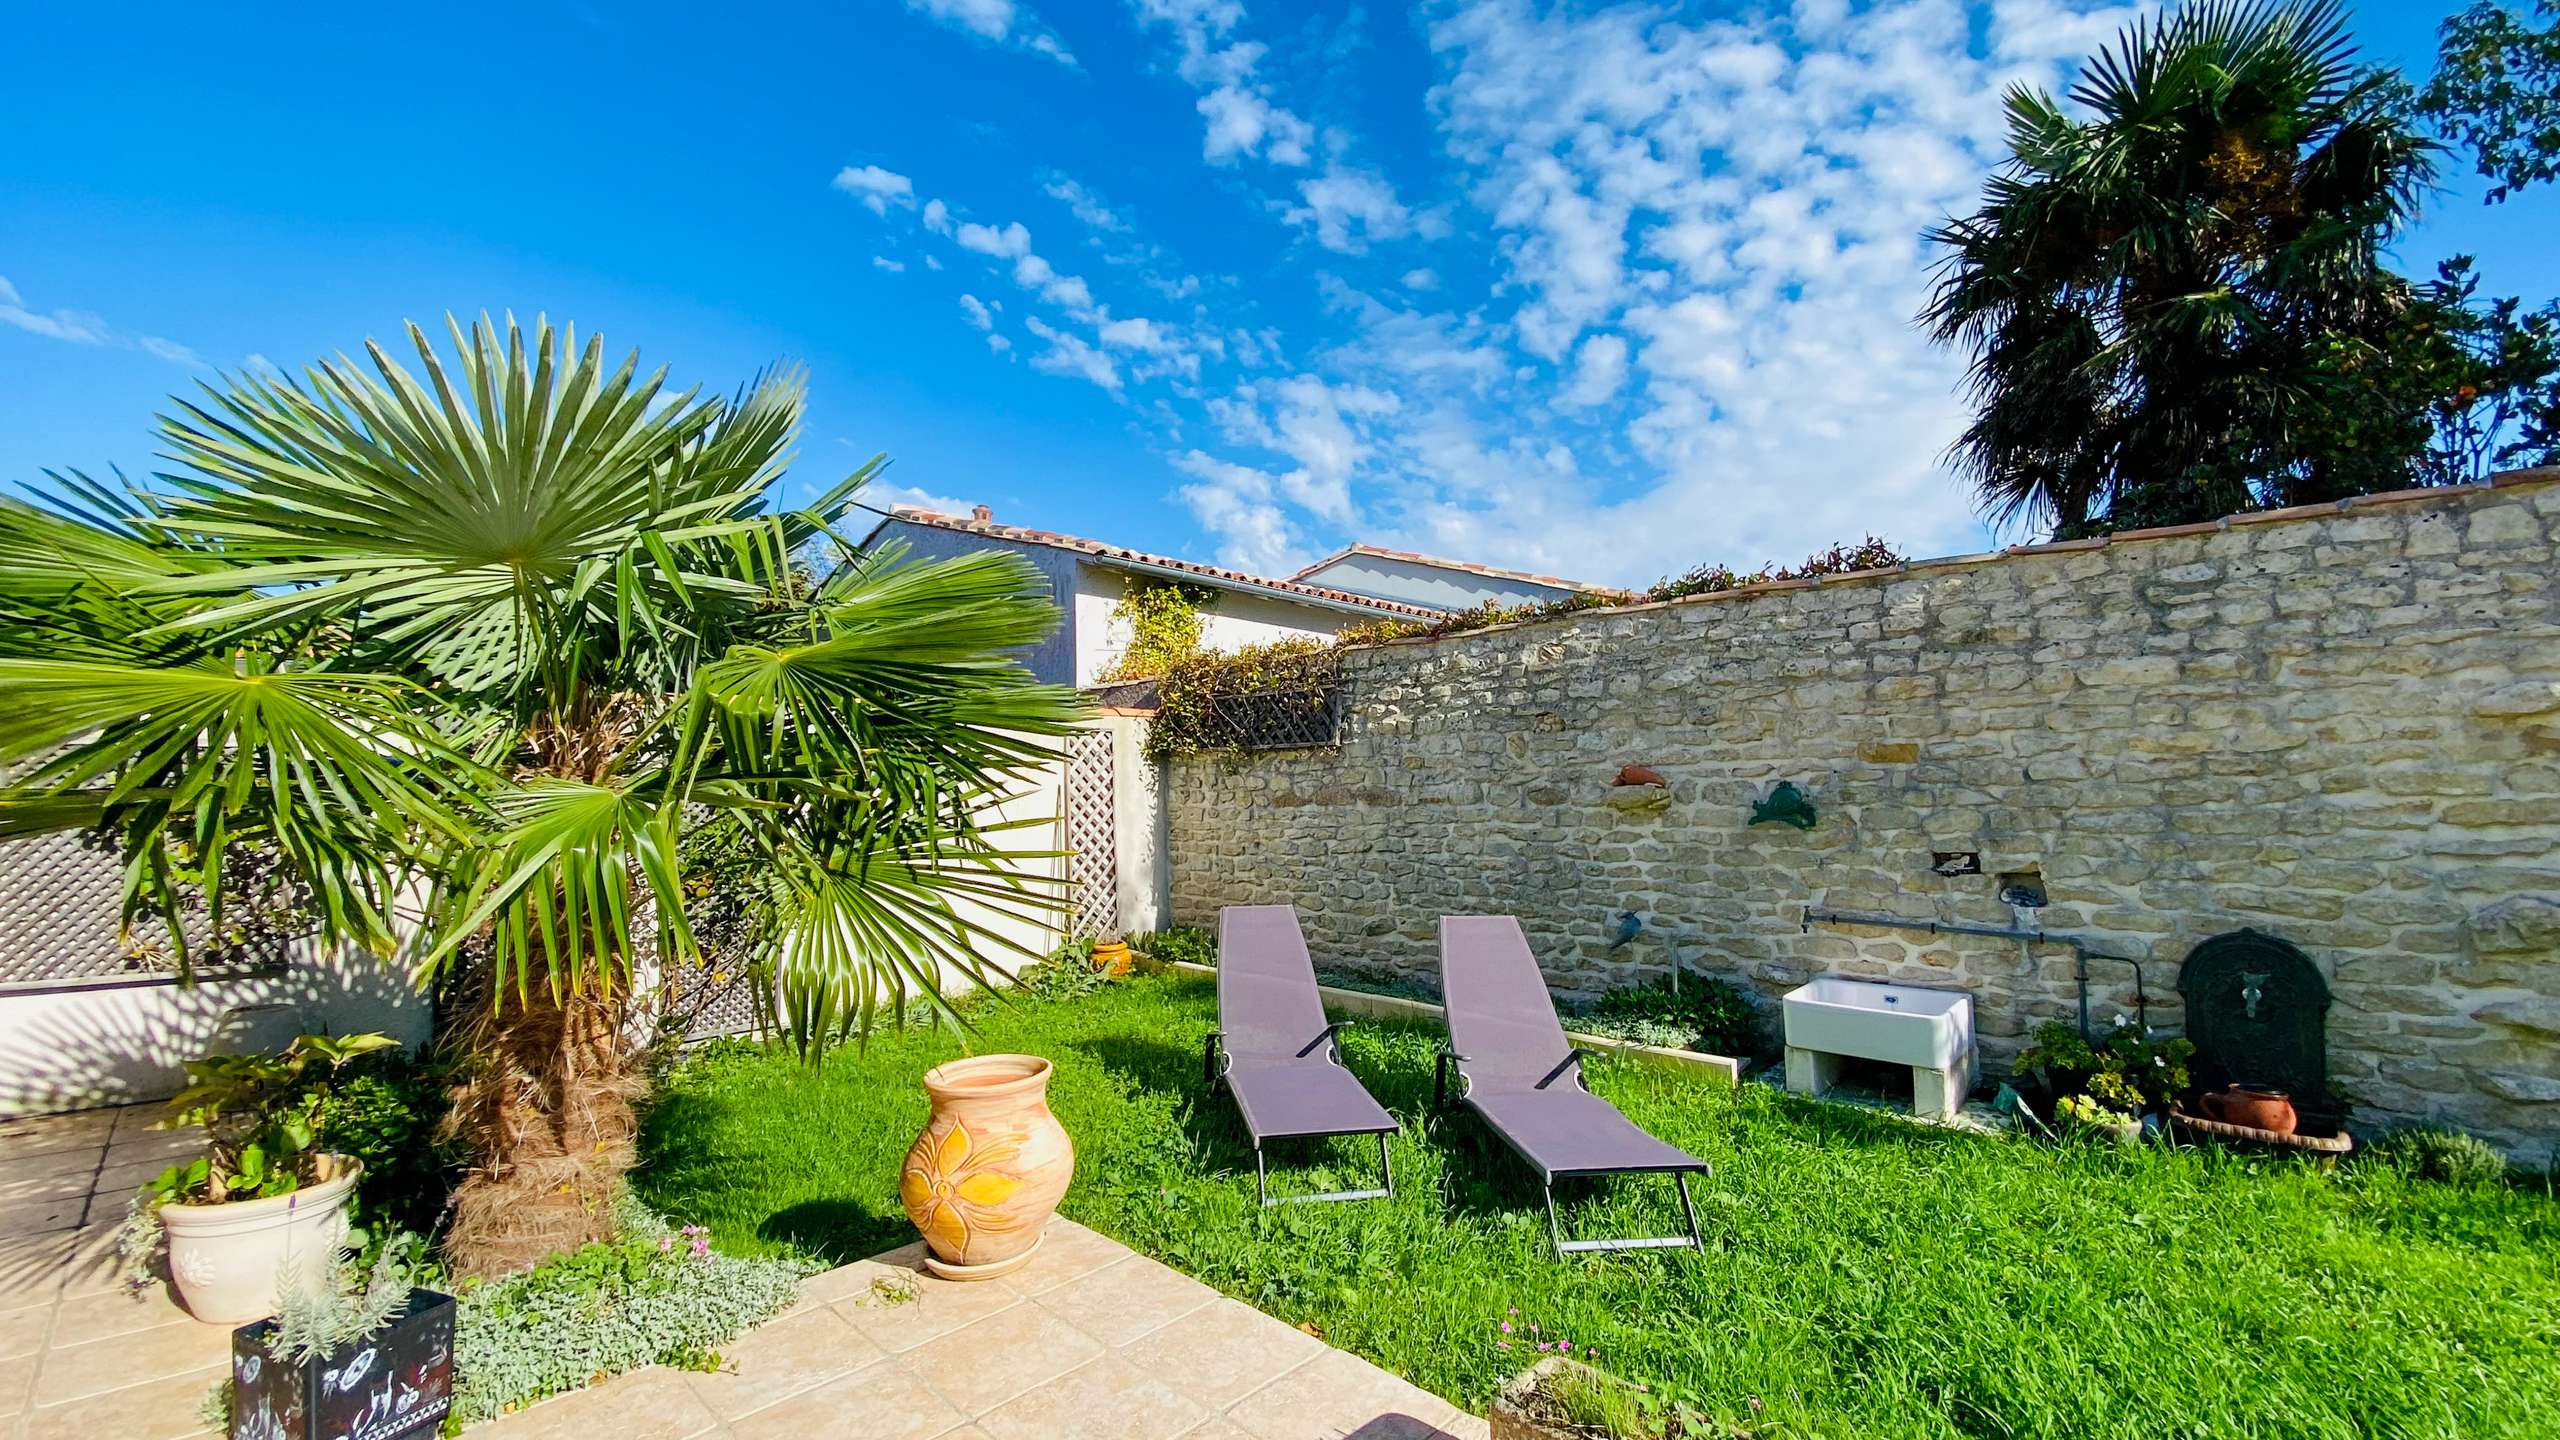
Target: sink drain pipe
[2081,954]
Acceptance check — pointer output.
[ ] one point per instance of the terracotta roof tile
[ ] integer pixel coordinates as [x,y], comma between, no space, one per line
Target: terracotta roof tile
[1493,572]
[1101,551]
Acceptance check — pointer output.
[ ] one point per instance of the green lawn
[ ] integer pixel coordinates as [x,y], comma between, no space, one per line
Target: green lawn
[1865,1277]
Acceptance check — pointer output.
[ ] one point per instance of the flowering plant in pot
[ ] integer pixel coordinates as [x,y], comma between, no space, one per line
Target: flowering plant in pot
[367,1354]
[265,1205]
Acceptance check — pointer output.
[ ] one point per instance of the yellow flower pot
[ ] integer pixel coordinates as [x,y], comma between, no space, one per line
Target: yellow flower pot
[1111,957]
[983,1179]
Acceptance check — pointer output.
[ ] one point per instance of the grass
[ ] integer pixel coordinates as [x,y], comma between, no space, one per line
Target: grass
[1865,1276]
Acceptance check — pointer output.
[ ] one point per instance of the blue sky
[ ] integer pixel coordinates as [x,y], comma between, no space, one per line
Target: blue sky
[1603,291]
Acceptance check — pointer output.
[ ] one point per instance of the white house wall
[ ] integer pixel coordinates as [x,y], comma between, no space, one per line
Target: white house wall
[1438,587]
[1233,620]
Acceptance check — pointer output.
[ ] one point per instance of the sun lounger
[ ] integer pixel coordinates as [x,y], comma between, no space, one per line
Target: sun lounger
[1277,1054]
[1517,1072]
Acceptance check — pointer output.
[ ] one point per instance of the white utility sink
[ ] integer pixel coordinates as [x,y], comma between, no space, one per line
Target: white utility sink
[1929,1030]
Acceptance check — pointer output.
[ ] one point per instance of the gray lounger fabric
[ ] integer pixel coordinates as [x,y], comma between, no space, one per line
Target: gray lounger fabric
[1275,1051]
[1524,1079]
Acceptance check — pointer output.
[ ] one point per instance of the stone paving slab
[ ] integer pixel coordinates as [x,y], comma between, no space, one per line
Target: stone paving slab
[1091,1341]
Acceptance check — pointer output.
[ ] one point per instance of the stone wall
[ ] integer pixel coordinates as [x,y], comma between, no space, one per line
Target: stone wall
[2339,725]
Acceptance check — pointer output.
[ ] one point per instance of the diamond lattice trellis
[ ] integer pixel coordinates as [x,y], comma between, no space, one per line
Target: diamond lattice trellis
[1092,871]
[60,901]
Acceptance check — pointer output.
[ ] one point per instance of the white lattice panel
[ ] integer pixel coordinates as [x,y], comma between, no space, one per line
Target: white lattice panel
[1092,871]
[58,910]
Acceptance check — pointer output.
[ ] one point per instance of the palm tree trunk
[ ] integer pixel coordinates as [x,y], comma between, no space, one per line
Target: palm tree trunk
[547,1106]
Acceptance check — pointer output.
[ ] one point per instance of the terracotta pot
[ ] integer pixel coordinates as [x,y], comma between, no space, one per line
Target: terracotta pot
[227,1259]
[2268,1110]
[983,1179]
[1111,958]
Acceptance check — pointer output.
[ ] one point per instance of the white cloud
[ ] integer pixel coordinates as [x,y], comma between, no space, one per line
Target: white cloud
[1072,355]
[937,217]
[1698,342]
[876,188]
[888,496]
[1242,122]
[980,313]
[82,327]
[1599,372]
[1083,204]
[883,262]
[1001,21]
[1006,243]
[1349,208]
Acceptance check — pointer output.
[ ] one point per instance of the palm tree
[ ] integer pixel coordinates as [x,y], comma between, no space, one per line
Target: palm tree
[468,651]
[2165,292]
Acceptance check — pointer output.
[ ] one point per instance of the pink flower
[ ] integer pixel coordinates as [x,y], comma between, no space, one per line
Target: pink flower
[1501,1344]
[1506,1327]
[1565,1345]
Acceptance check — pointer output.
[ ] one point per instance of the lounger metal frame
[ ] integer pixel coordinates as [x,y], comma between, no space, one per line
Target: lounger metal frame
[1449,1059]
[1214,1062]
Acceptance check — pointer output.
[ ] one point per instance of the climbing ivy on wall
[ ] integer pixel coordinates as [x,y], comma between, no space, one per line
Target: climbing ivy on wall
[1209,702]
[1164,622]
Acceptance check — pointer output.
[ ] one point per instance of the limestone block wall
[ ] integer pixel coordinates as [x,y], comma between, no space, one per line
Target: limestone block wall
[2338,725]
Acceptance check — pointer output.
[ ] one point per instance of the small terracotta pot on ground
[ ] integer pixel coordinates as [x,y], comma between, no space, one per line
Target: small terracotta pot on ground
[983,1179]
[2259,1109]
[227,1260]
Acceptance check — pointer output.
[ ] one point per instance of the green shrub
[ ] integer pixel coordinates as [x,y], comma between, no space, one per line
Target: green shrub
[2446,1156]
[384,1110]
[1067,974]
[656,1296]
[1183,946]
[1713,1016]
[2128,1069]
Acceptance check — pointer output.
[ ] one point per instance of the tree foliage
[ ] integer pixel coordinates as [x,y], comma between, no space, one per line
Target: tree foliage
[2497,91]
[478,638]
[2168,293]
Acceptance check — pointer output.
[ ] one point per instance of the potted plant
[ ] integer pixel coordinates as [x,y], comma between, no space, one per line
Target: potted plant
[2087,1115]
[1111,954]
[364,1357]
[264,1206]
[2129,1069]
[1560,1398]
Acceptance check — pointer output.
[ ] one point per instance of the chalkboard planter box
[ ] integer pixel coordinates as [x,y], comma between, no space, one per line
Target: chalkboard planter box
[393,1384]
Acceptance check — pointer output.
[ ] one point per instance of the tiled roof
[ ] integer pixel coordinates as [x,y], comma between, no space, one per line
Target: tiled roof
[1492,572]
[1210,573]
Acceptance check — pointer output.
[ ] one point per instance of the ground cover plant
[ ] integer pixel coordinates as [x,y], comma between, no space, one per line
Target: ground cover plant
[1866,1276]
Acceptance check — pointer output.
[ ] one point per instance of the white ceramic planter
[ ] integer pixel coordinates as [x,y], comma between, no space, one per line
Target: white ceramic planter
[228,1260]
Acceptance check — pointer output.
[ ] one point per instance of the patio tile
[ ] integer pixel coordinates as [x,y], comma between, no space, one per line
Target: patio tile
[1218,1427]
[1225,1351]
[17,1378]
[1068,1251]
[650,1404]
[939,1307]
[44,1185]
[36,1217]
[58,1262]
[778,1360]
[27,1135]
[879,1402]
[1106,1399]
[863,1280]
[1118,1303]
[163,1409]
[1337,1395]
[980,1366]
[73,1372]
[78,1160]
[22,1330]
[84,1318]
